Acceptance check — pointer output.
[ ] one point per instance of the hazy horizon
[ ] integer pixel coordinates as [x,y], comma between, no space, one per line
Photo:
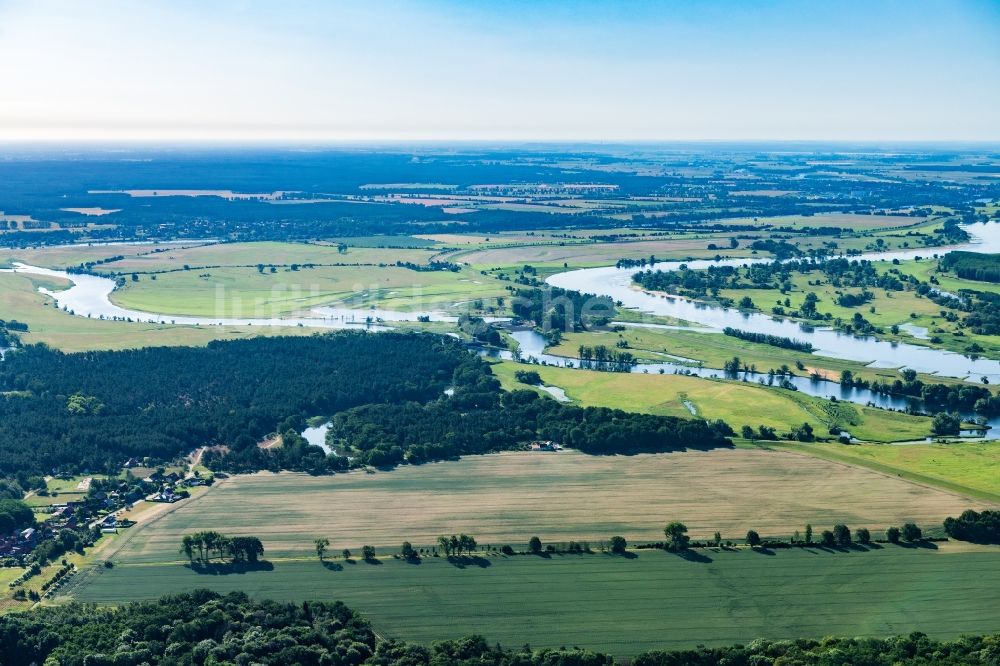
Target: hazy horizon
[549,71]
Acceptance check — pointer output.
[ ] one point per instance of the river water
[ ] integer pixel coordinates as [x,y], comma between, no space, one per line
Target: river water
[617,284]
[89,296]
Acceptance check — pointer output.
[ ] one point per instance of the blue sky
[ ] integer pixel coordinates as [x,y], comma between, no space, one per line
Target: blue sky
[504,70]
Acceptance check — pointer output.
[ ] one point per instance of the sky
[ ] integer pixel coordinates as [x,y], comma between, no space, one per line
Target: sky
[535,70]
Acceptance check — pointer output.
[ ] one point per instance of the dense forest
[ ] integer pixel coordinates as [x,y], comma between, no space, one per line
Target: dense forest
[207,628]
[94,410]
[479,417]
[973,265]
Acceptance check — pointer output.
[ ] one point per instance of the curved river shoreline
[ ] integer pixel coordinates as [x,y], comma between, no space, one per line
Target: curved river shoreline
[616,283]
[89,296]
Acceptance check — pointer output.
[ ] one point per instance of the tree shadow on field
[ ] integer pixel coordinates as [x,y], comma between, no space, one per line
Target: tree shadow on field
[333,566]
[227,568]
[627,555]
[929,545]
[464,561]
[691,556]
[413,560]
[763,550]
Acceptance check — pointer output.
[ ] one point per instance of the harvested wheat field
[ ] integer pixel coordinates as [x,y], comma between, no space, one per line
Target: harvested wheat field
[507,498]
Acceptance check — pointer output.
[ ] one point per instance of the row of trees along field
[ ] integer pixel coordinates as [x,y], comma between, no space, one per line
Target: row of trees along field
[204,627]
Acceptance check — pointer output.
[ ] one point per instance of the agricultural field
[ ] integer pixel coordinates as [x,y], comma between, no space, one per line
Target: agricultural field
[852,221]
[969,468]
[66,256]
[507,498]
[581,254]
[733,595]
[251,254]
[736,403]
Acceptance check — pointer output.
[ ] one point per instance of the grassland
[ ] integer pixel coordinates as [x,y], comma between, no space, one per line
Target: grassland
[624,606]
[970,468]
[20,300]
[713,350]
[925,270]
[244,291]
[884,310]
[737,403]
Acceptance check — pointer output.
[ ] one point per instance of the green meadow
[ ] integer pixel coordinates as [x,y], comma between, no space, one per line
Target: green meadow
[622,605]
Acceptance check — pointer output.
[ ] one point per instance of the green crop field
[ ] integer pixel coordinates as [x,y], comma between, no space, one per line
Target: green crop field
[737,403]
[620,605]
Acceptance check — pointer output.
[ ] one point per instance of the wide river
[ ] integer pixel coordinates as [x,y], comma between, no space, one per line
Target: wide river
[90,296]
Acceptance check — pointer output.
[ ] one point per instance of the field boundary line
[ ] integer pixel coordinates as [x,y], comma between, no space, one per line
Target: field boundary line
[915,478]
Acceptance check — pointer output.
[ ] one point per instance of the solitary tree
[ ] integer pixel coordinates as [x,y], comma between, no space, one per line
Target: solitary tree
[842,535]
[912,533]
[321,546]
[863,536]
[187,547]
[809,533]
[407,551]
[368,553]
[346,553]
[827,539]
[717,538]
[677,538]
[445,544]
[535,545]
[617,544]
[753,539]
[892,535]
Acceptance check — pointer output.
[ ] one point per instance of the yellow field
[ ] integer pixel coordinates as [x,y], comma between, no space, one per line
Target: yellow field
[507,498]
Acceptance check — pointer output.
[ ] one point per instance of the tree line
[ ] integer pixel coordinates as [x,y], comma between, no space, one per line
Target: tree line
[238,548]
[207,627]
[766,339]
